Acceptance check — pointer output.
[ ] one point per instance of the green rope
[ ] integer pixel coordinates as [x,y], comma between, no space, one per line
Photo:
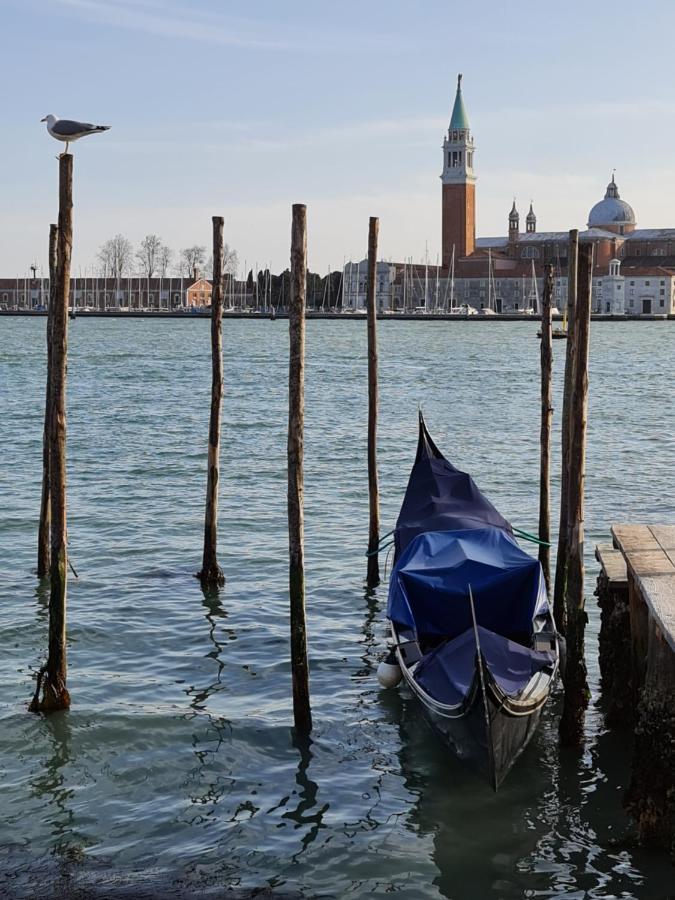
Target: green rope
[379,548]
[526,536]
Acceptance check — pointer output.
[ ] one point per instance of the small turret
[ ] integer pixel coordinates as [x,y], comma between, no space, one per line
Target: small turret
[531,221]
[514,223]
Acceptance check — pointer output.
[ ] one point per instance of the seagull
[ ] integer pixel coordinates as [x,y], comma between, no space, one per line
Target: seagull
[67,130]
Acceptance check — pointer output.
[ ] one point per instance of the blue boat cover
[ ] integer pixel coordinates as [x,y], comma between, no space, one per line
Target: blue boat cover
[440,498]
[429,587]
[447,673]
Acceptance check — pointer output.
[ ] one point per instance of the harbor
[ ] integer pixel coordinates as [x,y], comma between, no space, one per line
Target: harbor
[161,773]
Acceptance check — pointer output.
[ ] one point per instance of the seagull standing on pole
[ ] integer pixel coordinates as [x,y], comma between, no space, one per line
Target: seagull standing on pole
[67,130]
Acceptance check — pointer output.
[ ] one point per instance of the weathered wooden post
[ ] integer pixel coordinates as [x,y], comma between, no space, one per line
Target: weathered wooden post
[559,611]
[53,675]
[373,575]
[576,687]
[43,557]
[545,437]
[211,575]
[296,427]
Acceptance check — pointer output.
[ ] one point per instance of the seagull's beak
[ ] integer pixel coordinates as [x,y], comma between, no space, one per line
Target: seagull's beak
[44,120]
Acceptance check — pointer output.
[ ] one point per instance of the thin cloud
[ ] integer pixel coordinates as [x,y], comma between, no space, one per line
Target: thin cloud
[237,136]
[194,25]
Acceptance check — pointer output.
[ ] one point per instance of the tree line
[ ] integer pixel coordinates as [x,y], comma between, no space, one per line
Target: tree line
[152,258]
[322,291]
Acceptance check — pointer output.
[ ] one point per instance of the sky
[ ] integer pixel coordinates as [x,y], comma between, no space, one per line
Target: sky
[241,109]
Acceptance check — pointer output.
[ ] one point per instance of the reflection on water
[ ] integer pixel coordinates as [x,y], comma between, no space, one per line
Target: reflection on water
[177,770]
[307,814]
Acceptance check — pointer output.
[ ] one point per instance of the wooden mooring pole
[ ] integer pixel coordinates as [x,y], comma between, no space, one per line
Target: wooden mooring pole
[53,676]
[44,529]
[296,427]
[576,686]
[211,575]
[559,611]
[373,574]
[545,436]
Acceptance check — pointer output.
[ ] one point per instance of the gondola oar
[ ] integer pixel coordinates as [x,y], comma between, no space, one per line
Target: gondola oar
[481,675]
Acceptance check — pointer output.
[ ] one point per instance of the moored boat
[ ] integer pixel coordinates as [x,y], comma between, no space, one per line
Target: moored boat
[473,634]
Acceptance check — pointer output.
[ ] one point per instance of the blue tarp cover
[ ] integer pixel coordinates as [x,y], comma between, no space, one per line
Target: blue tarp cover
[441,498]
[448,671]
[429,593]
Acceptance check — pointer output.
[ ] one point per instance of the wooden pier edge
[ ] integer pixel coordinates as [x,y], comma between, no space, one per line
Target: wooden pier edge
[649,554]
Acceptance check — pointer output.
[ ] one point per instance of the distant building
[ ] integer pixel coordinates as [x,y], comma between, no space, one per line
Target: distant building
[632,268]
[199,293]
[132,293]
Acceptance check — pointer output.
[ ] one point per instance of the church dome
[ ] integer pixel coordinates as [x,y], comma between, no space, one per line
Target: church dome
[612,211]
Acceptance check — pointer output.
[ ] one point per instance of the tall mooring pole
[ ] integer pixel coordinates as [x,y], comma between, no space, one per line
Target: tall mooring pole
[211,575]
[576,686]
[52,678]
[373,573]
[559,611]
[545,435]
[296,427]
[44,529]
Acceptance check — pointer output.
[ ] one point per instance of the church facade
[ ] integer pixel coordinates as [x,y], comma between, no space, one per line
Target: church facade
[634,269]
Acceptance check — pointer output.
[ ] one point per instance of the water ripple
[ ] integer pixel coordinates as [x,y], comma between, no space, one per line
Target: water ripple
[176,773]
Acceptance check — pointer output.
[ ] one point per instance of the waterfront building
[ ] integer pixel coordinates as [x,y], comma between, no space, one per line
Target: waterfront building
[199,293]
[119,294]
[632,268]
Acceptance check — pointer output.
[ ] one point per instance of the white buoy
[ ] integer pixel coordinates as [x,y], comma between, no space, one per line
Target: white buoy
[389,672]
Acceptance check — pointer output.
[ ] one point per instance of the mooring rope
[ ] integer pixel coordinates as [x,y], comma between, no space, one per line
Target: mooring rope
[526,536]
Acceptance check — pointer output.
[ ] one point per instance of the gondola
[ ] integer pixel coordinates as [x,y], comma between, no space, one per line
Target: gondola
[473,635]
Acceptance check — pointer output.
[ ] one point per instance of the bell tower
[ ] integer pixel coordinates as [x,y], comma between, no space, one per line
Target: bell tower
[459,185]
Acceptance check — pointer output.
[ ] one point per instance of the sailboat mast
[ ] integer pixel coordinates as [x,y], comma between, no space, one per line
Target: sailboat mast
[438,272]
[489,278]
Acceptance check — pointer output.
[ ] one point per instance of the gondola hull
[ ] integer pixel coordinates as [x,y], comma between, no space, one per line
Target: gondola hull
[491,754]
[490,745]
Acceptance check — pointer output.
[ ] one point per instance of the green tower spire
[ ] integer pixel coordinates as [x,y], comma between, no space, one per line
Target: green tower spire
[459,121]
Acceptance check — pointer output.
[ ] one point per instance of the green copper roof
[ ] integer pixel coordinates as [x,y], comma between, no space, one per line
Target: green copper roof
[459,120]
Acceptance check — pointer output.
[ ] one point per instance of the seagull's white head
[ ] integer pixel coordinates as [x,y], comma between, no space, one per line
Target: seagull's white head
[50,119]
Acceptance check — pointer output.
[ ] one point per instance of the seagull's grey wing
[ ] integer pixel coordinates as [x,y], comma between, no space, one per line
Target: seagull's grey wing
[67,127]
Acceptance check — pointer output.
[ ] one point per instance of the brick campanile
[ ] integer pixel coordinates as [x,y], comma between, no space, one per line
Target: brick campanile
[459,185]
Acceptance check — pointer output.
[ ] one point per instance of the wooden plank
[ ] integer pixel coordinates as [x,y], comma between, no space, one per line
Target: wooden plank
[601,548]
[659,595]
[634,537]
[649,562]
[665,535]
[613,565]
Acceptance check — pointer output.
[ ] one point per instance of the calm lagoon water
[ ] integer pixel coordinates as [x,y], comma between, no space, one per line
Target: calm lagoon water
[176,772]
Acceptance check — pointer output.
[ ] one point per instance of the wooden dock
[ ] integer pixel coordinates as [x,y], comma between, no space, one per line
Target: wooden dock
[636,591]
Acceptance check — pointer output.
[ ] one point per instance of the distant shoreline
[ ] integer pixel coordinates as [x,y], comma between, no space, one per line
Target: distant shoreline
[333,316]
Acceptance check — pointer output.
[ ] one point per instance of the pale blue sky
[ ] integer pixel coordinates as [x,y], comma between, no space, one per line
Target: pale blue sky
[243,108]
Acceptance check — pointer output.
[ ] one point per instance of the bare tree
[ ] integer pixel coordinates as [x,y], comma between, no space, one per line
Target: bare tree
[115,257]
[164,260]
[192,258]
[230,264]
[148,255]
